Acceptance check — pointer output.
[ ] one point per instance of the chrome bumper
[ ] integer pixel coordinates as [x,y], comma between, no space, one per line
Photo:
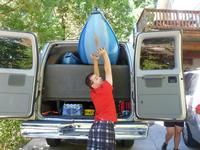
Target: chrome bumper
[64,130]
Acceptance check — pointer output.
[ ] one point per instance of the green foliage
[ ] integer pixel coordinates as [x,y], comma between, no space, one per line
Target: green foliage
[151,64]
[64,19]
[14,54]
[10,135]
[145,3]
[118,13]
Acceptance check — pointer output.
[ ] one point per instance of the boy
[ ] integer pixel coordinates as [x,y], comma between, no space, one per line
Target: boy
[102,134]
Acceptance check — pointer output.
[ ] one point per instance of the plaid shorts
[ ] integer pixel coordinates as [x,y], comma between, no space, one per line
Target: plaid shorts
[101,136]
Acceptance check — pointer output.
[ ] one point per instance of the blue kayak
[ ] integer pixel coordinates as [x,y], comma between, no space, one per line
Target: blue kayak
[97,33]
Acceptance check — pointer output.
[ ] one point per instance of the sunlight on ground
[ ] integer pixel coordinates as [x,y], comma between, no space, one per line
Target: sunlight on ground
[159,123]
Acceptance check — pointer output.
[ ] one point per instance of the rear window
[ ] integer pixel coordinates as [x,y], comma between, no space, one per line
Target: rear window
[190,82]
[15,53]
[157,54]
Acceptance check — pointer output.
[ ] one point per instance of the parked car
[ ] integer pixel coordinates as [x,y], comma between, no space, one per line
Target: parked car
[191,132]
[54,101]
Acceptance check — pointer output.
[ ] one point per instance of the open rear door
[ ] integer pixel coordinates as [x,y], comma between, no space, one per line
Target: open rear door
[18,70]
[158,76]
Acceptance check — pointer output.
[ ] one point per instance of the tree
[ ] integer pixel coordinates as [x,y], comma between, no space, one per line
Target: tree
[64,19]
[14,54]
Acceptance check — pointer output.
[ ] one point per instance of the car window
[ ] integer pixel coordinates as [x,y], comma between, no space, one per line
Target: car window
[190,83]
[15,53]
[157,54]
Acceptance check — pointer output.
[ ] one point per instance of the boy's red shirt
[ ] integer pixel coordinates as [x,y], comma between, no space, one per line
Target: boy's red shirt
[103,101]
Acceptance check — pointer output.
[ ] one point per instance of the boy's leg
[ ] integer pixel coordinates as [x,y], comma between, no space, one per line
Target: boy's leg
[91,136]
[101,136]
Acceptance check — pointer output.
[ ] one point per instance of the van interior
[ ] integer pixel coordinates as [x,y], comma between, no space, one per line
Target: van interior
[65,94]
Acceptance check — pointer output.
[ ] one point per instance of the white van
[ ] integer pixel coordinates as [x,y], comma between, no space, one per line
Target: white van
[148,85]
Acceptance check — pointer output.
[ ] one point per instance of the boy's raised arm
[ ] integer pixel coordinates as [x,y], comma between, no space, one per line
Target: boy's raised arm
[107,65]
[95,59]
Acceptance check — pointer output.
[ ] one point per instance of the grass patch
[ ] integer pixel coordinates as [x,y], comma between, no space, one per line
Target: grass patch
[10,137]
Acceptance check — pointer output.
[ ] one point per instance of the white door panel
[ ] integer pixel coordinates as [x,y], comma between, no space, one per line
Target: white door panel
[18,71]
[158,76]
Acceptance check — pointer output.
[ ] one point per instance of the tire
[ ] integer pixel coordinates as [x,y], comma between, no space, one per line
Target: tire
[127,143]
[187,137]
[53,142]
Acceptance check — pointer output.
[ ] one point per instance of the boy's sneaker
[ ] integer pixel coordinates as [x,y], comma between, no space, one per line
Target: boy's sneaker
[164,146]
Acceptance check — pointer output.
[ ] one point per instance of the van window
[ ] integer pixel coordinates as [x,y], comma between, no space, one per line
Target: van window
[15,53]
[190,80]
[157,53]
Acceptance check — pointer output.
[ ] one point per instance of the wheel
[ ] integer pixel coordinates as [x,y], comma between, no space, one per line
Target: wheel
[53,142]
[127,143]
[187,136]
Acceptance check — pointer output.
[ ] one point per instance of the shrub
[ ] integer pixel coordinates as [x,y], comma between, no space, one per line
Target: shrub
[10,137]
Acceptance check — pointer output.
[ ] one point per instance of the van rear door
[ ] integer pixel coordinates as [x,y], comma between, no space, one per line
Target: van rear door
[18,72]
[158,76]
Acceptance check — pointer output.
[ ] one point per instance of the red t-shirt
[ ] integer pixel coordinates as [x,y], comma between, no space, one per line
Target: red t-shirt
[103,101]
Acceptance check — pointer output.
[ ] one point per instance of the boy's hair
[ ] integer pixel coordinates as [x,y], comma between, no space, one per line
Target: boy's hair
[88,82]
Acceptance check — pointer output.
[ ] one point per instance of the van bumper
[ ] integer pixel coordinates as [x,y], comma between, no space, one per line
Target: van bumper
[80,130]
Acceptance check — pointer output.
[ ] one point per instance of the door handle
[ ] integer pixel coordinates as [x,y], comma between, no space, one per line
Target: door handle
[153,77]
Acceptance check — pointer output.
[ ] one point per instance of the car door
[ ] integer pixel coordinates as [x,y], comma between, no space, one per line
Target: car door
[18,72]
[159,83]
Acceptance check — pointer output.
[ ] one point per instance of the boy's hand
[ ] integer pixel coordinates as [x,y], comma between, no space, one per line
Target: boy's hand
[94,56]
[101,51]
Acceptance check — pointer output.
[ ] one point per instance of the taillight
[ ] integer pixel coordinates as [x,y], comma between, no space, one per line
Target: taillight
[198,109]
